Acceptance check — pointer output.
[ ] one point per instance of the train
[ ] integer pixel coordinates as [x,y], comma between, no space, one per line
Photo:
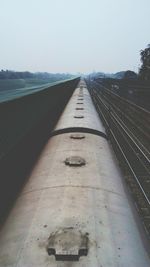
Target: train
[74,209]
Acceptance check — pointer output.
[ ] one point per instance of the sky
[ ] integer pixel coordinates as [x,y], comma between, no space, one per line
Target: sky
[73,35]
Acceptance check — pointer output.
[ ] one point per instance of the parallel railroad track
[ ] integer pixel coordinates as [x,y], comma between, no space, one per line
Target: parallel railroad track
[137,118]
[128,128]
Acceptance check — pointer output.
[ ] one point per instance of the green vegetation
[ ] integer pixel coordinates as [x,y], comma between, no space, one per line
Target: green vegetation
[144,72]
[7,84]
[36,82]
[16,80]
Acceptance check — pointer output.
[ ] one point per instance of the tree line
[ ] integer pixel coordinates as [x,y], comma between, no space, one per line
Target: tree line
[9,74]
[144,71]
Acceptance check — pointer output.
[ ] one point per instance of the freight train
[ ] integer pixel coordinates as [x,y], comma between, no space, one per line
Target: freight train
[74,209]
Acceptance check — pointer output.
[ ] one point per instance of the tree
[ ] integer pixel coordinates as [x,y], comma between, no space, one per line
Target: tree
[144,72]
[130,75]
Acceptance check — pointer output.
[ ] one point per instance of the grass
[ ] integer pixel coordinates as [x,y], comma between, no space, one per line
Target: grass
[8,84]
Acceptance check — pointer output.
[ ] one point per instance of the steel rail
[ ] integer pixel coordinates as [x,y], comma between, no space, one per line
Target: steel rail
[125,157]
[141,116]
[147,112]
[130,137]
[129,133]
[135,137]
[136,178]
[129,118]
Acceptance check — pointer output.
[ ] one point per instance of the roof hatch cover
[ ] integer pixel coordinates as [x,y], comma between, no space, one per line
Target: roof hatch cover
[75,161]
[68,244]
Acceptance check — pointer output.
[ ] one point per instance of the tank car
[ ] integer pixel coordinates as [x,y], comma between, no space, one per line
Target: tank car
[74,209]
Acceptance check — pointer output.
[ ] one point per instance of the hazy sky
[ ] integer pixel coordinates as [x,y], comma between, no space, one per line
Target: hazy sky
[73,35]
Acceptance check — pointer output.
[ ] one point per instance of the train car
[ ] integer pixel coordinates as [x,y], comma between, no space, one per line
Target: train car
[74,209]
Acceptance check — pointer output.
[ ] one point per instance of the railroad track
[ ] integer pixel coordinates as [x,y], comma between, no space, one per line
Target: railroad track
[137,118]
[128,127]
